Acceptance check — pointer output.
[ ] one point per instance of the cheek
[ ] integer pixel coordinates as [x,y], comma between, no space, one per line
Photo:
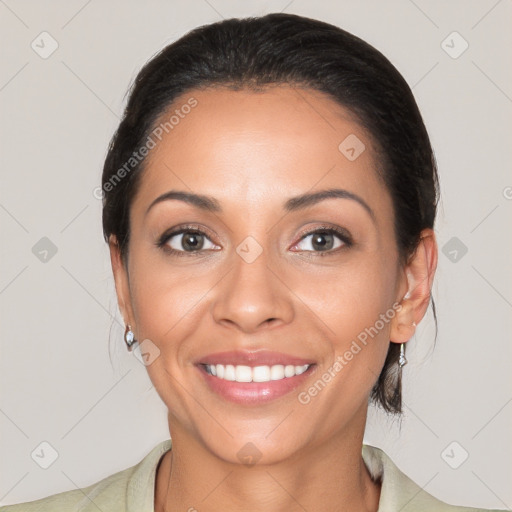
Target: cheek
[350,298]
[168,303]
[356,304]
[168,297]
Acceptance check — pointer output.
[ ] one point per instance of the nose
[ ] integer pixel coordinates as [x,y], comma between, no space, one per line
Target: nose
[252,296]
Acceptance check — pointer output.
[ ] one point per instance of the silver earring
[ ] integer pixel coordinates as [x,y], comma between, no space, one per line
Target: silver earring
[402,361]
[129,337]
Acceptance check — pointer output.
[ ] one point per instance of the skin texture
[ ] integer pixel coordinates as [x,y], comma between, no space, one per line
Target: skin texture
[253,151]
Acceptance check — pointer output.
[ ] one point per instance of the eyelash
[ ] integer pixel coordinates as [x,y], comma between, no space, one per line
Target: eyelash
[342,234]
[162,242]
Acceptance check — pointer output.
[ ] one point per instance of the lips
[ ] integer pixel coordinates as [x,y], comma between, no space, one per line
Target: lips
[243,375]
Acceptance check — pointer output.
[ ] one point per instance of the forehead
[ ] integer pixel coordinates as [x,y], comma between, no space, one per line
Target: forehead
[259,147]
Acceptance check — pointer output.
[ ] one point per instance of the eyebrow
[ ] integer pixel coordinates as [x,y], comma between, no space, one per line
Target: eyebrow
[210,204]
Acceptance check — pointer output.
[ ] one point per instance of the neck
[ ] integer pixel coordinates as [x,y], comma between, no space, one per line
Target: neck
[330,477]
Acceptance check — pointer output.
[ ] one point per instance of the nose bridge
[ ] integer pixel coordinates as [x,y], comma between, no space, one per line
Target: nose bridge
[251,295]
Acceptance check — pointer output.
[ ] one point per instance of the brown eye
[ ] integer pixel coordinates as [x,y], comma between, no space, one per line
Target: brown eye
[189,241]
[324,240]
[321,241]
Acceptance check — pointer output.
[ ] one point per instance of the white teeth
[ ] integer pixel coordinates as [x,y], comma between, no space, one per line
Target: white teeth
[301,369]
[229,372]
[277,372]
[241,373]
[289,370]
[261,374]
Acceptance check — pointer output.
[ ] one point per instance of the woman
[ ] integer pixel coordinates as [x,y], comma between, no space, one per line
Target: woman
[269,204]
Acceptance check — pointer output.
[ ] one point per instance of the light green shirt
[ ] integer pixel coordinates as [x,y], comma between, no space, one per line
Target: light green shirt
[133,489]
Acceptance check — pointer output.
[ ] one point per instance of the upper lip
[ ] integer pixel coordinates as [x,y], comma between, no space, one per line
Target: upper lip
[252,358]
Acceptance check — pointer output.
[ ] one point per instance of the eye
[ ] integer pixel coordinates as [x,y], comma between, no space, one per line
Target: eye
[324,240]
[186,240]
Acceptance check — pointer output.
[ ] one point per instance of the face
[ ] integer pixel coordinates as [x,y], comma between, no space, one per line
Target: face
[253,278]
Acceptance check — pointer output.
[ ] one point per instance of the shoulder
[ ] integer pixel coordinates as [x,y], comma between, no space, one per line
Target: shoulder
[93,497]
[127,490]
[399,492]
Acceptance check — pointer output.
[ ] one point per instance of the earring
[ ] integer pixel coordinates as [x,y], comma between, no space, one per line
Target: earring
[129,337]
[402,361]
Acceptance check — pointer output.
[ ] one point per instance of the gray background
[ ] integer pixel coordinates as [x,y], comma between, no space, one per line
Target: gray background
[59,320]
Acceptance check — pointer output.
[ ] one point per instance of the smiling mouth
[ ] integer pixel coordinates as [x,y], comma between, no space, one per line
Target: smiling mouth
[242,373]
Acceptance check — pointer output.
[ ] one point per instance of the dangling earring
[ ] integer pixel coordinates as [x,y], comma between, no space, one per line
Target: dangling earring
[129,338]
[402,361]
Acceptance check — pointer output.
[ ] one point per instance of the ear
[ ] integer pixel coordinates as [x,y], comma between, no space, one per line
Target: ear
[122,282]
[417,283]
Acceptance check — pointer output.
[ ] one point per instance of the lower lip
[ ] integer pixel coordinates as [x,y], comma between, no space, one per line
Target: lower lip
[254,392]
